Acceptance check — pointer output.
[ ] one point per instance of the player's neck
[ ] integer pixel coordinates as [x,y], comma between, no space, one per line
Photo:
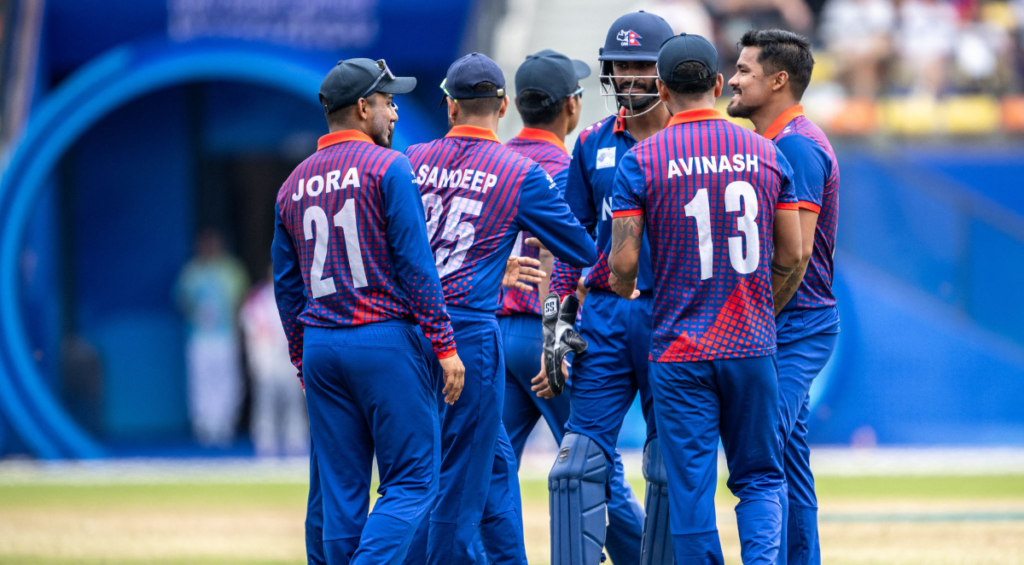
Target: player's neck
[559,127]
[486,122]
[644,126]
[766,115]
[684,105]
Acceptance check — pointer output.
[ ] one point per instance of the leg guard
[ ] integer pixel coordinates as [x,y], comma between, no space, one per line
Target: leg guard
[577,502]
[657,540]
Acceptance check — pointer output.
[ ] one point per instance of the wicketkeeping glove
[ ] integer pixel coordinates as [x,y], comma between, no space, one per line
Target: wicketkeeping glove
[560,338]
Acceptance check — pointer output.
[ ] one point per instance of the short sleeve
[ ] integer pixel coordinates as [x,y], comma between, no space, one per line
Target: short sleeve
[809,166]
[630,191]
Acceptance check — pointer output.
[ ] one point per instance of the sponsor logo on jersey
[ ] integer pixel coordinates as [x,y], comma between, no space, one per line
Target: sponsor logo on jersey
[606,158]
[629,38]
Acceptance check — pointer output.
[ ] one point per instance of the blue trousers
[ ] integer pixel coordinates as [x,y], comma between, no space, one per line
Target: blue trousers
[353,378]
[479,490]
[314,514]
[799,362]
[737,400]
[606,380]
[522,344]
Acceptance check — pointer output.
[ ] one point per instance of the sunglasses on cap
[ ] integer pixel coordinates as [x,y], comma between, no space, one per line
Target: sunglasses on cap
[384,72]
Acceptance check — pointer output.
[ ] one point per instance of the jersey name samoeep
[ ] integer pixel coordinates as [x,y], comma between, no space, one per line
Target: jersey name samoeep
[478,196]
[708,190]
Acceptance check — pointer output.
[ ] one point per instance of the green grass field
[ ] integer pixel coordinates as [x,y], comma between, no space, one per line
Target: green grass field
[864,520]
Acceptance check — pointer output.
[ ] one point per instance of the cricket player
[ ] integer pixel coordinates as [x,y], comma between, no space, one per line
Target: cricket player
[478,196]
[712,197]
[549,99]
[608,377]
[358,291]
[772,73]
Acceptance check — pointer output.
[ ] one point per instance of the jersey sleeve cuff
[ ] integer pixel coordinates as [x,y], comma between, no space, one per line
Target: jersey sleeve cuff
[626,213]
[445,353]
[810,206]
[788,206]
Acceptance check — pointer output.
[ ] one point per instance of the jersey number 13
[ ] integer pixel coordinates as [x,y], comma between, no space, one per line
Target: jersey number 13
[743,261]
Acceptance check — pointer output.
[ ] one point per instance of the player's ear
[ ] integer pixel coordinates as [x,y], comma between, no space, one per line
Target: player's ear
[781,79]
[719,84]
[663,92]
[504,107]
[453,109]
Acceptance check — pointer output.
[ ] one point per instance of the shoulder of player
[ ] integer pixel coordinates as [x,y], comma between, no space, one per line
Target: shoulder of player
[595,127]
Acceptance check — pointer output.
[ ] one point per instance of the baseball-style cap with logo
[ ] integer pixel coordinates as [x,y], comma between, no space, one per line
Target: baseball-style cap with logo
[467,72]
[686,48]
[353,79]
[635,37]
[552,73]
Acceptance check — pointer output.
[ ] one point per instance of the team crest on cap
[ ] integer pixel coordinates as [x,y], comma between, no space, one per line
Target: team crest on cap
[629,38]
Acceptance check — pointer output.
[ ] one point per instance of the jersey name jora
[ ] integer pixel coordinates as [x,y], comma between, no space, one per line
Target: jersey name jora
[317,184]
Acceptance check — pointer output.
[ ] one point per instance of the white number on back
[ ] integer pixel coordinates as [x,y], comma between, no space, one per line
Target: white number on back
[316,218]
[738,195]
[461,233]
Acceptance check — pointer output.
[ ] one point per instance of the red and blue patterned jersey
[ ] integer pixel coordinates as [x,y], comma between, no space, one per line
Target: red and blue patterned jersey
[816,185]
[548,151]
[709,190]
[478,196]
[589,190]
[350,247]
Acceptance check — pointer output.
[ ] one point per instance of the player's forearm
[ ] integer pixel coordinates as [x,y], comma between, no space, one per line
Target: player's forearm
[627,237]
[784,286]
[547,263]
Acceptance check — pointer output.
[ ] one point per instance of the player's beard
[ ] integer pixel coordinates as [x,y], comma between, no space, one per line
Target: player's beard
[638,102]
[384,131]
[738,109]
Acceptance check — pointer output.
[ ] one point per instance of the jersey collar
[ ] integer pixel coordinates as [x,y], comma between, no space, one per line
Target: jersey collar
[620,122]
[780,123]
[535,134]
[340,136]
[698,115]
[473,131]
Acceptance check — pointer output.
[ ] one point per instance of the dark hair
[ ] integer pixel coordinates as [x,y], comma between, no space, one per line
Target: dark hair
[692,79]
[537,108]
[482,106]
[783,51]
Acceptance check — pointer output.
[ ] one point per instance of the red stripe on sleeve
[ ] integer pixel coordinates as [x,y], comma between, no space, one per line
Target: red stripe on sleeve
[626,213]
[788,206]
[804,205]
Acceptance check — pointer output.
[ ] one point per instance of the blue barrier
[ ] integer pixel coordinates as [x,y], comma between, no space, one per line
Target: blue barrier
[123,74]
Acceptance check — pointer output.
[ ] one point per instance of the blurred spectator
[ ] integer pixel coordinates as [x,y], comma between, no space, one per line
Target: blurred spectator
[927,36]
[209,290]
[857,33]
[279,423]
[983,53]
[733,18]
[689,16]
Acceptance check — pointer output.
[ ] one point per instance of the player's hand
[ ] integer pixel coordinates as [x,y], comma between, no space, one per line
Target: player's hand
[581,289]
[522,270]
[622,288]
[534,242]
[540,382]
[454,377]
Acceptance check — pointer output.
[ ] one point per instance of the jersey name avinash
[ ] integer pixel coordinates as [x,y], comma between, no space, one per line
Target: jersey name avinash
[713,164]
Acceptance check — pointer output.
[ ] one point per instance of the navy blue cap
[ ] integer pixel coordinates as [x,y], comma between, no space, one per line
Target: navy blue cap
[469,71]
[686,48]
[635,37]
[353,79]
[552,73]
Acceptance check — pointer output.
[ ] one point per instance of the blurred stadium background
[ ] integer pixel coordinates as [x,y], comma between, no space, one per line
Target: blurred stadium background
[130,127]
